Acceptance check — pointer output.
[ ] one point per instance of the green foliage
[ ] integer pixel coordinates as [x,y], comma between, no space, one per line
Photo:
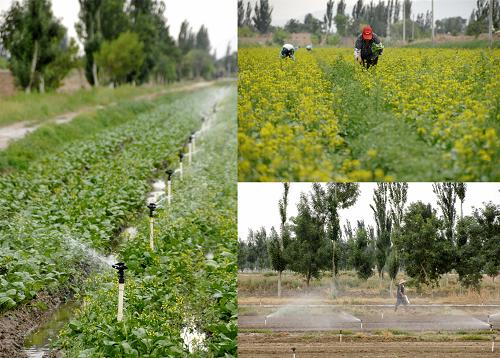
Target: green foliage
[263,16]
[383,222]
[280,36]
[122,58]
[363,253]
[333,40]
[196,64]
[469,264]
[3,63]
[489,221]
[35,40]
[426,254]
[245,31]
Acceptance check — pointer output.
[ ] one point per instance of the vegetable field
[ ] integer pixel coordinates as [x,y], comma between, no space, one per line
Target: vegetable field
[420,115]
[62,214]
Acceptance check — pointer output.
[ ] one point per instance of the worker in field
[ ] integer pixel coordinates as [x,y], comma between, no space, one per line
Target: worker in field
[309,48]
[368,48]
[287,51]
[401,298]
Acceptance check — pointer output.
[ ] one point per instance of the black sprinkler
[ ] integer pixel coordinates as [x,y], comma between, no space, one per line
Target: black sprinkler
[181,155]
[190,139]
[120,267]
[152,208]
[169,173]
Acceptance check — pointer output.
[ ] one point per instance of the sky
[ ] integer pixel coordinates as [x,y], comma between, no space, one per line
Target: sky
[287,9]
[258,202]
[218,15]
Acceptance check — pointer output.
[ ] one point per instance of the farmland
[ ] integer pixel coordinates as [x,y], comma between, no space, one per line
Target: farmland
[421,115]
[65,211]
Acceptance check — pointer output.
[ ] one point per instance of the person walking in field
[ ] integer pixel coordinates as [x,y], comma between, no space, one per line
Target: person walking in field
[287,51]
[368,48]
[401,298]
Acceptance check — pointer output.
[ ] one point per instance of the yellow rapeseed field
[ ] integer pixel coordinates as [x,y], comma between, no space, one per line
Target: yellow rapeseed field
[296,119]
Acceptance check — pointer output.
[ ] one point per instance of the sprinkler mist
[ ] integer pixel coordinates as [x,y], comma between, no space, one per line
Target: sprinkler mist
[190,149]
[181,156]
[169,173]
[152,208]
[293,352]
[120,267]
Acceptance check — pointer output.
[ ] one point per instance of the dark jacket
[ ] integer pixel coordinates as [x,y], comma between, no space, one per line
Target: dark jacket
[401,290]
[366,46]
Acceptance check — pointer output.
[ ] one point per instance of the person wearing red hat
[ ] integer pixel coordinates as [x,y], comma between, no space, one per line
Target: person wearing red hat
[363,52]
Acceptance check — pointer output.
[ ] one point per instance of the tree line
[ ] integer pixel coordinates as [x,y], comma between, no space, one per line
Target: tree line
[422,241]
[385,17]
[123,42]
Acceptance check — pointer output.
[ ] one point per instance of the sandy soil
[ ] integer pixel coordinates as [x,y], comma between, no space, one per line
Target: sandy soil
[262,345]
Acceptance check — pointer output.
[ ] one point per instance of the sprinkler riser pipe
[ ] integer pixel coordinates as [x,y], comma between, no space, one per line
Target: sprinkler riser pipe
[151,233]
[121,291]
[190,152]
[361,324]
[181,171]
[194,143]
[169,192]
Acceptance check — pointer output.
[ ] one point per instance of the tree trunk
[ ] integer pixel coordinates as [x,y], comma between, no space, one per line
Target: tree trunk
[94,74]
[33,67]
[333,269]
[41,84]
[279,284]
[390,288]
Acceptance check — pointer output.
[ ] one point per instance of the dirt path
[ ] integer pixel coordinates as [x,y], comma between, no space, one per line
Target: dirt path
[261,345]
[18,130]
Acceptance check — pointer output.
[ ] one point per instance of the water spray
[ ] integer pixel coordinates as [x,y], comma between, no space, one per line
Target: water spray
[169,173]
[265,321]
[488,319]
[120,267]
[152,208]
[340,336]
[293,352]
[181,156]
[193,135]
[190,149]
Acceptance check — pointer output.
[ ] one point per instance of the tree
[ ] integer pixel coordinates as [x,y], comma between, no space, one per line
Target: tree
[478,21]
[279,243]
[489,220]
[451,25]
[446,198]
[241,13]
[306,254]
[383,222]
[328,17]
[338,196]
[262,18]
[341,20]
[202,39]
[34,39]
[248,15]
[461,189]
[363,254]
[186,39]
[312,24]
[425,253]
[470,262]
[122,58]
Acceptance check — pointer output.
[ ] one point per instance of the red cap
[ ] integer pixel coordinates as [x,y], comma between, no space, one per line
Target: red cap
[367,33]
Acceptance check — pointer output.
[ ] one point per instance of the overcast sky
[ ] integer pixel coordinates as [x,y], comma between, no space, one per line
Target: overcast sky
[218,15]
[258,202]
[287,9]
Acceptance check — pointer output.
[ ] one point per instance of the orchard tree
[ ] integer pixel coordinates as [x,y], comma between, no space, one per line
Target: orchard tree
[279,243]
[248,15]
[241,13]
[263,16]
[363,253]
[122,58]
[186,39]
[426,254]
[383,222]
[446,198]
[488,218]
[307,250]
[461,189]
[35,39]
[328,17]
[338,196]
[470,262]
[341,19]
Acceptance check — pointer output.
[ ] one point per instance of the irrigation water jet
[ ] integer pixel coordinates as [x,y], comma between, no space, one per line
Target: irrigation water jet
[152,208]
[169,173]
[120,267]
[181,171]
[193,338]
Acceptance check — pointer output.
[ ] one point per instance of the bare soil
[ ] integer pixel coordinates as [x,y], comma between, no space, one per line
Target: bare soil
[280,345]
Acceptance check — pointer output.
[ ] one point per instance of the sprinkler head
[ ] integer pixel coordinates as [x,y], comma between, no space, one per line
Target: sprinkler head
[121,267]
[203,119]
[152,208]
[169,173]
[293,349]
[181,155]
[190,139]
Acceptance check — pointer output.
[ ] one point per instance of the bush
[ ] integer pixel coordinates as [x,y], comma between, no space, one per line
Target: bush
[280,36]
[333,40]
